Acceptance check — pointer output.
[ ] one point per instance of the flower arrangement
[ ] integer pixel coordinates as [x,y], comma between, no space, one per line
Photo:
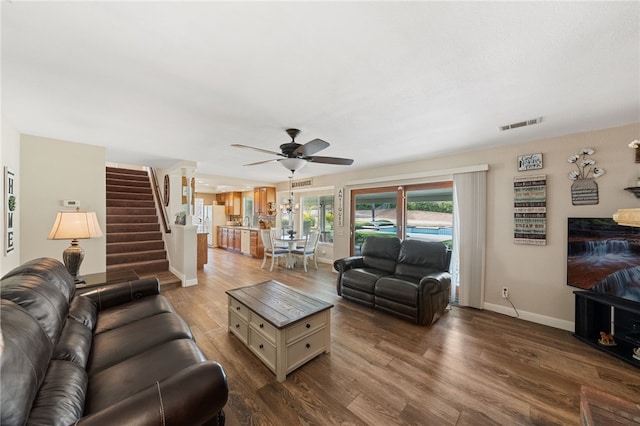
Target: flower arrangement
[584,165]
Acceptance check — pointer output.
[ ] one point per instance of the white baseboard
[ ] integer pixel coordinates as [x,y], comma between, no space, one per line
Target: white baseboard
[183,280]
[530,316]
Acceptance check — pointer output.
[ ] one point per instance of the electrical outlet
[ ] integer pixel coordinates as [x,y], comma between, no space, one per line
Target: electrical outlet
[505,292]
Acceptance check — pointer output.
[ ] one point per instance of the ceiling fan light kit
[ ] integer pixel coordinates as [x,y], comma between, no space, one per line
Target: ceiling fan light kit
[297,155]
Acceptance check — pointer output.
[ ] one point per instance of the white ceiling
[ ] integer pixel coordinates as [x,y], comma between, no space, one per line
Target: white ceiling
[383,82]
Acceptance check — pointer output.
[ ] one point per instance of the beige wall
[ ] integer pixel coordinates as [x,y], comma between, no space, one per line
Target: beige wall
[535,275]
[10,155]
[52,171]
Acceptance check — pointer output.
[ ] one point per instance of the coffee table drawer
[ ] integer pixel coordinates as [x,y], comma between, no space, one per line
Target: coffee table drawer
[238,326]
[305,349]
[265,350]
[305,327]
[241,310]
[266,329]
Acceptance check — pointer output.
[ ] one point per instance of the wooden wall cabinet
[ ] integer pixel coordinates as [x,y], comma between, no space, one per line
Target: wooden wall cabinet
[262,196]
[232,202]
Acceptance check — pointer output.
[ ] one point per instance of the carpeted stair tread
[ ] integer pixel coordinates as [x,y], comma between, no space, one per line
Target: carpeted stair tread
[132,211]
[116,181]
[130,203]
[141,267]
[128,189]
[129,196]
[123,237]
[138,218]
[132,227]
[138,256]
[132,246]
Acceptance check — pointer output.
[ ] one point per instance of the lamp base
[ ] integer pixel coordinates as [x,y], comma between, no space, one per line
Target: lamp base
[72,257]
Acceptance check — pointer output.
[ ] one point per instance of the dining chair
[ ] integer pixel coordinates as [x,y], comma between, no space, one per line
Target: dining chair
[309,249]
[270,250]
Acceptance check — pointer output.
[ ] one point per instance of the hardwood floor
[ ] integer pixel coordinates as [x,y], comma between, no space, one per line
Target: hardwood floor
[470,368]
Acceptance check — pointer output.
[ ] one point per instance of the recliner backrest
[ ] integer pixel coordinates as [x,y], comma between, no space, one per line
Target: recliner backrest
[420,258]
[381,252]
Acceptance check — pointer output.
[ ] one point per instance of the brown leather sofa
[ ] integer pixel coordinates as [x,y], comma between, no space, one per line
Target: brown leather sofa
[408,279]
[112,356]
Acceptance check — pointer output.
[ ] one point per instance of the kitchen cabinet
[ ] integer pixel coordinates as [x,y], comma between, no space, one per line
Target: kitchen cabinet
[202,250]
[264,200]
[255,244]
[237,239]
[233,203]
[243,240]
[223,241]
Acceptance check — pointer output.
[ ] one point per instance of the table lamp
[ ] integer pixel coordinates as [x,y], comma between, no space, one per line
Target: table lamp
[75,225]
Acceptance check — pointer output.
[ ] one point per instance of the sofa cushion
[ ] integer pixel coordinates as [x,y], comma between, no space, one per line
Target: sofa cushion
[23,362]
[420,258]
[363,279]
[43,301]
[126,313]
[74,343]
[398,288]
[136,373]
[114,346]
[381,253]
[52,270]
[60,400]
[84,310]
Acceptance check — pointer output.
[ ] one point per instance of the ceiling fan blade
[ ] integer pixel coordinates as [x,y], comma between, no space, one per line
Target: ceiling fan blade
[330,160]
[236,145]
[310,148]
[261,162]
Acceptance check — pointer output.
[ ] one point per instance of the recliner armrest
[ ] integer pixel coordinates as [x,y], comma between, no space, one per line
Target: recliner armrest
[435,282]
[116,294]
[194,396]
[347,263]
[343,265]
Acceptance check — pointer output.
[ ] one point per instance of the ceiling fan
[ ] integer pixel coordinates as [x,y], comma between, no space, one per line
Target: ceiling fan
[297,155]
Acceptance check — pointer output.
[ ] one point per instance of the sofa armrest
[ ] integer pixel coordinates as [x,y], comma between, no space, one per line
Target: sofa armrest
[116,294]
[343,265]
[433,296]
[435,283]
[194,396]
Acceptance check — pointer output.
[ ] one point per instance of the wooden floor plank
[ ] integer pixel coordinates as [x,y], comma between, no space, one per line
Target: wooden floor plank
[471,367]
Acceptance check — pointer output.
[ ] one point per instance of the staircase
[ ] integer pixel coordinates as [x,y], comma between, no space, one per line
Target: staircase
[134,238]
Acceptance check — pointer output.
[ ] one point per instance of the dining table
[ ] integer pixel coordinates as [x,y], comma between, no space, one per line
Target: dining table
[292,244]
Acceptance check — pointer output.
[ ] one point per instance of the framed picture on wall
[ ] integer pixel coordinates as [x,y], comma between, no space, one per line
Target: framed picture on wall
[10,203]
[529,162]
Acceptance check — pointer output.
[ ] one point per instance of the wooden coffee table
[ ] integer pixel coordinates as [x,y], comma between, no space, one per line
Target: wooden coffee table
[282,326]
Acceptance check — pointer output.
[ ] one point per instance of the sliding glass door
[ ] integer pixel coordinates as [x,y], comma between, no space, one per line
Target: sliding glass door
[423,211]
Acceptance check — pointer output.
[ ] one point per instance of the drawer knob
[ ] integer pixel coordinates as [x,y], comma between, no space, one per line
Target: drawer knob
[261,346]
[237,308]
[308,345]
[237,325]
[308,325]
[261,325]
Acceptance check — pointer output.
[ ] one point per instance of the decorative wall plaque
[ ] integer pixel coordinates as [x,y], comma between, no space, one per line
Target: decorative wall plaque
[529,162]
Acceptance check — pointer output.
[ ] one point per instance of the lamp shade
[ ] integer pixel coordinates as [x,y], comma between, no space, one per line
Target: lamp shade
[75,225]
[627,217]
[293,164]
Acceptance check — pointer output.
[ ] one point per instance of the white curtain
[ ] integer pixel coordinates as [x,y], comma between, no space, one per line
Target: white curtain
[469,235]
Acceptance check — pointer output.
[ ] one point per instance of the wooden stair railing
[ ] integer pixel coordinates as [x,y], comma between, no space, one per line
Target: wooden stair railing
[160,202]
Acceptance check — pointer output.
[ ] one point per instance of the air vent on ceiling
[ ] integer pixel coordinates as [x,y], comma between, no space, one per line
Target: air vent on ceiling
[521,124]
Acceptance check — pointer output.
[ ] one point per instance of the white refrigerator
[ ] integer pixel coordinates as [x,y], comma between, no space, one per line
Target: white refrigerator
[213,217]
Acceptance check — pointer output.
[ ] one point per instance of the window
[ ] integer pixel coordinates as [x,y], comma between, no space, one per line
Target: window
[317,213]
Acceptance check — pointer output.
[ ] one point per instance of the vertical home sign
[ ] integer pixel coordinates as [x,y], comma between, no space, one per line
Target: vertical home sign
[10,204]
[340,207]
[530,210]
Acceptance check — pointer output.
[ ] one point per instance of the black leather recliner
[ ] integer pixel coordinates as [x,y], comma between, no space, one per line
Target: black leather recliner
[409,278]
